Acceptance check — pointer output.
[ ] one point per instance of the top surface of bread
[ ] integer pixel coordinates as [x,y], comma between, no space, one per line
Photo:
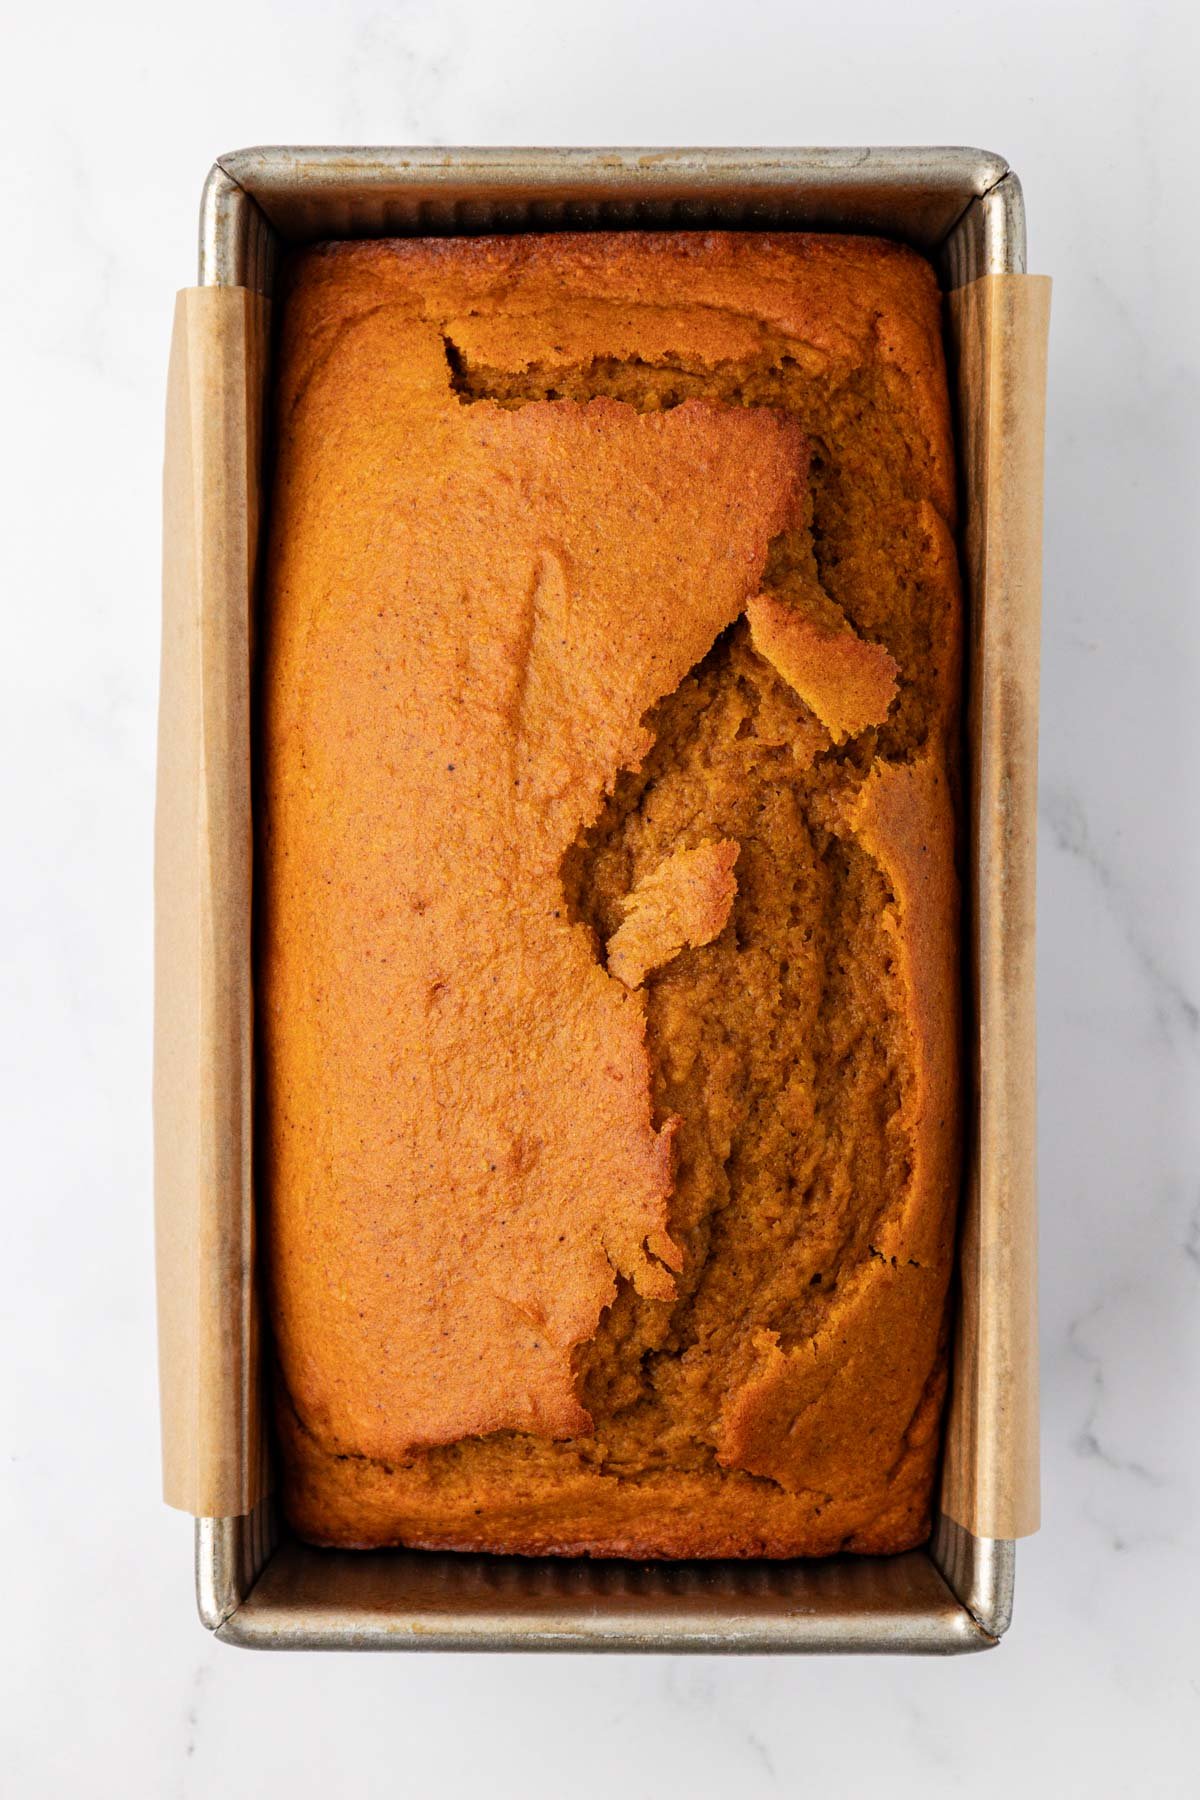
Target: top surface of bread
[608,968]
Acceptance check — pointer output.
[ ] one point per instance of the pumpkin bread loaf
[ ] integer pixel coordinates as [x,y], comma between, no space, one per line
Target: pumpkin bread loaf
[608,975]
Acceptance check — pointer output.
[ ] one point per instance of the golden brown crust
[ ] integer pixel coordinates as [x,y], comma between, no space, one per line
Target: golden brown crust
[433,685]
[719,295]
[524,486]
[554,1506]
[682,904]
[848,682]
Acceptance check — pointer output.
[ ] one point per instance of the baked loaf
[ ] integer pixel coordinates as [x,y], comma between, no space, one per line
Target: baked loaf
[608,983]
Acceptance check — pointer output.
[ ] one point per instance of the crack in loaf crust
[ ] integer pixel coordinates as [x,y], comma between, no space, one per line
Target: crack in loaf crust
[611,579]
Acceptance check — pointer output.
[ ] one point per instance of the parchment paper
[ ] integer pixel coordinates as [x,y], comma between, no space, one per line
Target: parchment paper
[213,1429]
[998,332]
[212,1425]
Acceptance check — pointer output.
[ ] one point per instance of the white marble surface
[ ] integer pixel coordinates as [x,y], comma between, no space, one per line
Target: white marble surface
[112,116]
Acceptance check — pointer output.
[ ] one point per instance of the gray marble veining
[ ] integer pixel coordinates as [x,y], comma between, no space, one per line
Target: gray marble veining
[112,117]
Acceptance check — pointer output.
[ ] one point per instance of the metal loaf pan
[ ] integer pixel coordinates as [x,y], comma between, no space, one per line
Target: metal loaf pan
[255,1586]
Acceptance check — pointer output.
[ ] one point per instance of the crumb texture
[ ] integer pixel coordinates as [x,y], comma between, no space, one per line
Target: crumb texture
[608,972]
